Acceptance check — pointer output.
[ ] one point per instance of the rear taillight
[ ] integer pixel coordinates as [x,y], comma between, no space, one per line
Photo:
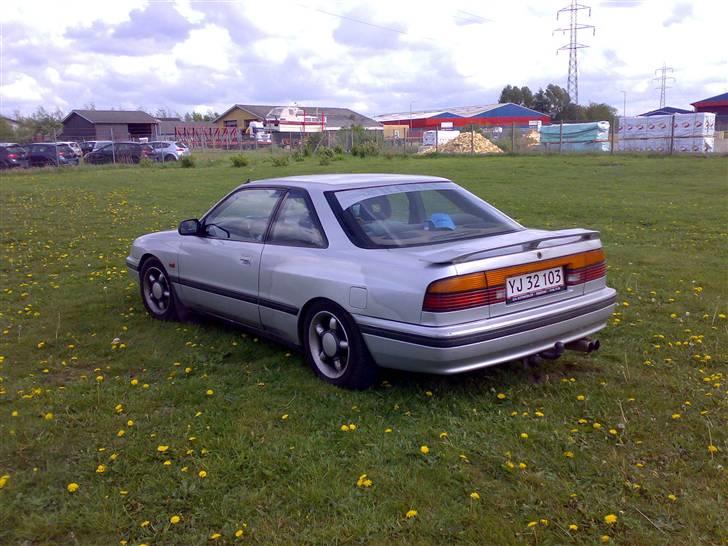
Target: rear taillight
[12,156]
[487,287]
[180,149]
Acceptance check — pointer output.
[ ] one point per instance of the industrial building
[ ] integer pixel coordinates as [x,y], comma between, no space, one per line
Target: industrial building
[109,125]
[503,115]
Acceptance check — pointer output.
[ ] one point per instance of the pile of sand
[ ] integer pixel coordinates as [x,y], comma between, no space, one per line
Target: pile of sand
[467,143]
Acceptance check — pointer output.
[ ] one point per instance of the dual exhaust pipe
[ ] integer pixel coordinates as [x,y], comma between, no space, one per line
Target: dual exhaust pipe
[584,345]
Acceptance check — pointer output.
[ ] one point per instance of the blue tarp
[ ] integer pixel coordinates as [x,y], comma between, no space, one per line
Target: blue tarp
[592,136]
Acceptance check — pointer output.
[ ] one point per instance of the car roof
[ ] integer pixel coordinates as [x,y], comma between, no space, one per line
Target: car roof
[325,182]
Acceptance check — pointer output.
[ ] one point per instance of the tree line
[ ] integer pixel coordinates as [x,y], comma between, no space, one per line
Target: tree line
[556,102]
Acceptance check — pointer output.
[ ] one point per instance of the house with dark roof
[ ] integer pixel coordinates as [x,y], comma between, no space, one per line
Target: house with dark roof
[719,106]
[240,115]
[109,125]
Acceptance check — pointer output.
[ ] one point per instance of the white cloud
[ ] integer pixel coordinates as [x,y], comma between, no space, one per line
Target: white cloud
[22,89]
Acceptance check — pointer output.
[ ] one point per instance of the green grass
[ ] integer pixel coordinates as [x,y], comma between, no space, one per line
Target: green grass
[66,297]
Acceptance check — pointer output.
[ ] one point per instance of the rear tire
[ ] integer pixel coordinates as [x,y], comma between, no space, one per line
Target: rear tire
[157,291]
[335,349]
[170,157]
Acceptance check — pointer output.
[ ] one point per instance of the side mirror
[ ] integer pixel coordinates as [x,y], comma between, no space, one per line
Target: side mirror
[190,227]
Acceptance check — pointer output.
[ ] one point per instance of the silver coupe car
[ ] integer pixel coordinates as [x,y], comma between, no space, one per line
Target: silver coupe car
[368,270]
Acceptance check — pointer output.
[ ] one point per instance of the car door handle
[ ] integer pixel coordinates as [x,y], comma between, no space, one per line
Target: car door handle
[246,260]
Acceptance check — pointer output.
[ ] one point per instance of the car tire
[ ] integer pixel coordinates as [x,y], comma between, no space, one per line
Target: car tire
[335,349]
[170,157]
[158,295]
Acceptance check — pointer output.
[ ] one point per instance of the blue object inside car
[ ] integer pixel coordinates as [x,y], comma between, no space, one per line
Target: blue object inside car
[441,220]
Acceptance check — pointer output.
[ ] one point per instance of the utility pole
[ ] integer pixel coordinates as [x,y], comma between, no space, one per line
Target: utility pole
[573,9]
[663,78]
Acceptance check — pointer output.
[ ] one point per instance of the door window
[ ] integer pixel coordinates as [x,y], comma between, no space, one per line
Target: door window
[244,216]
[296,223]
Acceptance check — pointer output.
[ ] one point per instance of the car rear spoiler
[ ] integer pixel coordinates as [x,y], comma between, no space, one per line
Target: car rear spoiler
[529,242]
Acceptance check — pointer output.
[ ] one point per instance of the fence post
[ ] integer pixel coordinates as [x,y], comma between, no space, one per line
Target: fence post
[561,136]
[513,137]
[672,133]
[472,140]
[437,140]
[113,147]
[611,139]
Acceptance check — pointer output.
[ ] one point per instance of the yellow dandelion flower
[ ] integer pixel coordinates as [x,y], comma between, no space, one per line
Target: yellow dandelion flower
[597,426]
[475,496]
[443,435]
[167,463]
[569,454]
[145,523]
[581,398]
[428,393]
[134,382]
[4,479]
[573,527]
[174,520]
[610,519]
[352,426]
[524,436]
[387,430]
[364,481]
[604,538]
[672,497]
[411,514]
[501,396]
[72,487]
[544,522]
[522,466]
[14,413]
[215,536]
[532,523]
[130,423]
[202,474]
[121,433]
[676,416]
[101,469]
[712,449]
[424,450]
[162,449]
[613,431]
[48,416]
[538,414]
[209,392]
[239,533]
[284,417]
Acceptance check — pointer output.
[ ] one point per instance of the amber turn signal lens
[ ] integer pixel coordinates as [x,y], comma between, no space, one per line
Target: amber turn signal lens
[461,283]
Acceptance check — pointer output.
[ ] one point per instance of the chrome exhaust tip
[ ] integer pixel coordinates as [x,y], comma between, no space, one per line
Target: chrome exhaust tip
[584,345]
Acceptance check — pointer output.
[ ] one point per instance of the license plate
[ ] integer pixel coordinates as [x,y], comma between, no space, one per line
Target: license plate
[538,283]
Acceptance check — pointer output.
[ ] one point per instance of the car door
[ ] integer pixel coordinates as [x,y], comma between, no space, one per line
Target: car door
[218,270]
[292,261]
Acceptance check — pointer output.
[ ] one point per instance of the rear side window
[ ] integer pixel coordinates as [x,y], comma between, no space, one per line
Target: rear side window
[296,223]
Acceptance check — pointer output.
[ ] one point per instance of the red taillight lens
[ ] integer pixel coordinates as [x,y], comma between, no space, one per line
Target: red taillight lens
[487,287]
[12,156]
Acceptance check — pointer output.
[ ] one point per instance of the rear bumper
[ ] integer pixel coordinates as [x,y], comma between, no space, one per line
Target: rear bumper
[464,347]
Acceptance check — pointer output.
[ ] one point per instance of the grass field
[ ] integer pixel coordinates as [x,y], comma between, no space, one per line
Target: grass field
[189,433]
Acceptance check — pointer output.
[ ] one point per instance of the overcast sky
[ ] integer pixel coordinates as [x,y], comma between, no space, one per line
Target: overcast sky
[374,56]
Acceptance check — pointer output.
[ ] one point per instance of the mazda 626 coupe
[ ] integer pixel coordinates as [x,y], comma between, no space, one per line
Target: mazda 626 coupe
[380,270]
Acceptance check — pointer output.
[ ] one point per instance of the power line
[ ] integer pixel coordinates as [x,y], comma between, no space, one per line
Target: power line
[663,78]
[573,9]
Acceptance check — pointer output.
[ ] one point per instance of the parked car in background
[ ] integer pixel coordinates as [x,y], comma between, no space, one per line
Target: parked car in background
[74,146]
[119,152]
[50,154]
[380,270]
[169,151]
[12,156]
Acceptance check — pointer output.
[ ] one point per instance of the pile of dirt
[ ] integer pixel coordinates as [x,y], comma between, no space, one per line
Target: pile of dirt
[467,143]
[532,138]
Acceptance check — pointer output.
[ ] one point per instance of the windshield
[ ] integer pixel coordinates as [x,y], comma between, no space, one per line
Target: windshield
[418,214]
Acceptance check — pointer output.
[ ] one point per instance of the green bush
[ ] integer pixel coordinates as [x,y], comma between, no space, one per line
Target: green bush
[324,160]
[338,150]
[239,160]
[365,149]
[188,162]
[298,155]
[281,161]
[145,163]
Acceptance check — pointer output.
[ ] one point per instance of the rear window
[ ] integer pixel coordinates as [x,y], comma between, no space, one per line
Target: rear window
[417,214]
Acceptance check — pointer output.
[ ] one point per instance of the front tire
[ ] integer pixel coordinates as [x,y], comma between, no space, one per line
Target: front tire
[335,349]
[157,292]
